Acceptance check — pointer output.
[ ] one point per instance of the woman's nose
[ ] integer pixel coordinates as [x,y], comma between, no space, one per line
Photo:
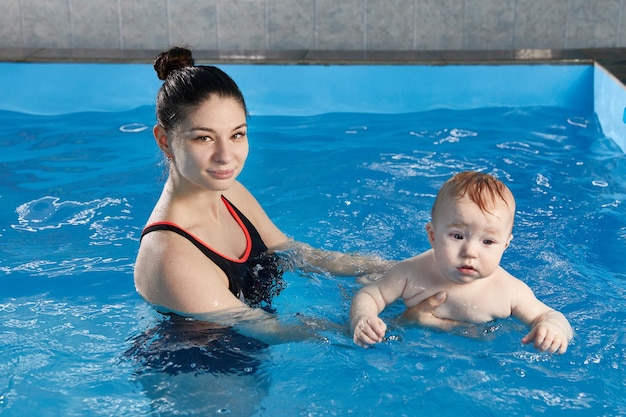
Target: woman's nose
[223,150]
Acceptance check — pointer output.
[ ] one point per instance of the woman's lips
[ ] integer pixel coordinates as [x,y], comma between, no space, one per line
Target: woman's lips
[222,174]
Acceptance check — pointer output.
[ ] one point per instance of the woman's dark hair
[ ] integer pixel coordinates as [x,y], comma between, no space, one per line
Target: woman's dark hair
[185,86]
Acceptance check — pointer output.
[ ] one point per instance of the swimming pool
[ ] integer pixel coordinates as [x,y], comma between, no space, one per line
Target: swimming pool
[78,186]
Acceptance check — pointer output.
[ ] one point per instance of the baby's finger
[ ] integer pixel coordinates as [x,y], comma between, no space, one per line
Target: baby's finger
[546,342]
[559,345]
[365,338]
[378,327]
[540,338]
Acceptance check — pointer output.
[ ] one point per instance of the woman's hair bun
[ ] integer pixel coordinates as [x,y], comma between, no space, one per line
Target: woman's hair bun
[174,59]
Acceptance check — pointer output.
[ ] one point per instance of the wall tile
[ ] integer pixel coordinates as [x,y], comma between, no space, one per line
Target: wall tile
[291,24]
[46,23]
[389,25]
[144,24]
[95,24]
[339,24]
[439,24]
[489,24]
[540,24]
[193,23]
[356,25]
[621,29]
[10,24]
[592,23]
[241,25]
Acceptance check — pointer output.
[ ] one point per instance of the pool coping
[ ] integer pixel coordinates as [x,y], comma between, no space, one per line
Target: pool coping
[613,59]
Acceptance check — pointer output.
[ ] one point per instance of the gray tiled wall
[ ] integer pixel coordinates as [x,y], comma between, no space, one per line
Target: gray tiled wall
[359,25]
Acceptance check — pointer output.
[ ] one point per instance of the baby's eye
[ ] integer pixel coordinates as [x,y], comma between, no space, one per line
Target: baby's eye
[488,242]
[457,236]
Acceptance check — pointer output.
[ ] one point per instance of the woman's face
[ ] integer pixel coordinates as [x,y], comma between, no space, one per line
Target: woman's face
[210,146]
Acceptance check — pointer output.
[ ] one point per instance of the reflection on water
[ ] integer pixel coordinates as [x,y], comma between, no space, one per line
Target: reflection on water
[194,367]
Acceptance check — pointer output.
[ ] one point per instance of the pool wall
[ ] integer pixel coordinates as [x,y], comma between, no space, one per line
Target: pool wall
[116,28]
[55,88]
[610,105]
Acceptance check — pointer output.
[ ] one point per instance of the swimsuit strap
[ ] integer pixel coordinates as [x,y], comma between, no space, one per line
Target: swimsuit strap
[241,220]
[238,271]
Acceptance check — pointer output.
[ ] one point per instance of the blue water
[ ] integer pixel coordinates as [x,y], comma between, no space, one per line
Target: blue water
[76,189]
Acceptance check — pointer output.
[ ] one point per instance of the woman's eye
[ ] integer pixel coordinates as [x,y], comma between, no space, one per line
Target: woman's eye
[204,138]
[239,135]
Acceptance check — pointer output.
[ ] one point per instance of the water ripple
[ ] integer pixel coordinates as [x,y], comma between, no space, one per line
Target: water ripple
[51,213]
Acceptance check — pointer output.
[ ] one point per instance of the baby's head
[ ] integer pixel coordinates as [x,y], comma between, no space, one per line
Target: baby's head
[484,190]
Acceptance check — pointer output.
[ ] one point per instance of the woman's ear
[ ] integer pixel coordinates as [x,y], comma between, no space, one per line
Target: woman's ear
[430,232]
[162,140]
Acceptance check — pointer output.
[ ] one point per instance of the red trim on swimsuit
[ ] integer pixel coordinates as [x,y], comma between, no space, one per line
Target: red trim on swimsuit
[235,216]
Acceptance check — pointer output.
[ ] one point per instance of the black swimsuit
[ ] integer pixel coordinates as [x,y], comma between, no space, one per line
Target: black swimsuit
[179,344]
[256,277]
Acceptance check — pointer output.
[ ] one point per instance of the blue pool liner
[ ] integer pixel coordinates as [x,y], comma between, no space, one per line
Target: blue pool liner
[57,88]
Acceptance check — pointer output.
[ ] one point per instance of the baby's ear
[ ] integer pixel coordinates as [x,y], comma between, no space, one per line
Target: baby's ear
[430,232]
[508,242]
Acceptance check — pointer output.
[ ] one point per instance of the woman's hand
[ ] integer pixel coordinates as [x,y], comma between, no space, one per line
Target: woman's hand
[422,313]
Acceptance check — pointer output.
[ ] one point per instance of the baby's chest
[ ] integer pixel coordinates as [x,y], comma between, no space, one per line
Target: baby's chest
[476,307]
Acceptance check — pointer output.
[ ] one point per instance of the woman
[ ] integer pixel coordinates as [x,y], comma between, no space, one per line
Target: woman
[207,251]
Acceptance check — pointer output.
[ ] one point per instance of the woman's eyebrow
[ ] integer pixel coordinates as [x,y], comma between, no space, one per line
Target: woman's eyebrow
[211,130]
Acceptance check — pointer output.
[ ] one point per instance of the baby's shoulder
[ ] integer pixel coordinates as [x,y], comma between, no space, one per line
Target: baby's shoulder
[421,260]
[508,287]
[420,280]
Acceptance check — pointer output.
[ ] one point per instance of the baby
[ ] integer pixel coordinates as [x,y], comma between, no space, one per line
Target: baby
[472,221]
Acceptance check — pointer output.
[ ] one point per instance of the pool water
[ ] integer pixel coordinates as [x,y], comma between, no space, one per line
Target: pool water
[77,188]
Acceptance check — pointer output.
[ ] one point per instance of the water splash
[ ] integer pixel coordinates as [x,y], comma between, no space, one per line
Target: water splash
[51,213]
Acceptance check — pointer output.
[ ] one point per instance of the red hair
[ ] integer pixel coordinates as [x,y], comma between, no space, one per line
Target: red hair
[482,189]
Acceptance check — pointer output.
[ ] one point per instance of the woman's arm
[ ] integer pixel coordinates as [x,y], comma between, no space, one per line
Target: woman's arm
[300,255]
[304,257]
[173,275]
[197,288]
[259,324]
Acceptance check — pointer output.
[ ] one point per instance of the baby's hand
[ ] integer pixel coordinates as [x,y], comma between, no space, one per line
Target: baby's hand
[368,331]
[550,333]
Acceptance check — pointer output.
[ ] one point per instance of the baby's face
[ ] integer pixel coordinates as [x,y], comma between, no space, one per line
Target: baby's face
[468,242]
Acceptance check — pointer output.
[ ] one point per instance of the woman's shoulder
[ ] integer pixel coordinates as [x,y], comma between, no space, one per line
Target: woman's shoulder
[239,195]
[162,279]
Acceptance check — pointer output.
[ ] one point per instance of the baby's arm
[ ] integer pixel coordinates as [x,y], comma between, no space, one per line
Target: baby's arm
[549,329]
[367,327]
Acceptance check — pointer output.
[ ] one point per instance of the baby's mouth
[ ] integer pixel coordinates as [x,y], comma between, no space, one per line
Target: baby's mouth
[467,269]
